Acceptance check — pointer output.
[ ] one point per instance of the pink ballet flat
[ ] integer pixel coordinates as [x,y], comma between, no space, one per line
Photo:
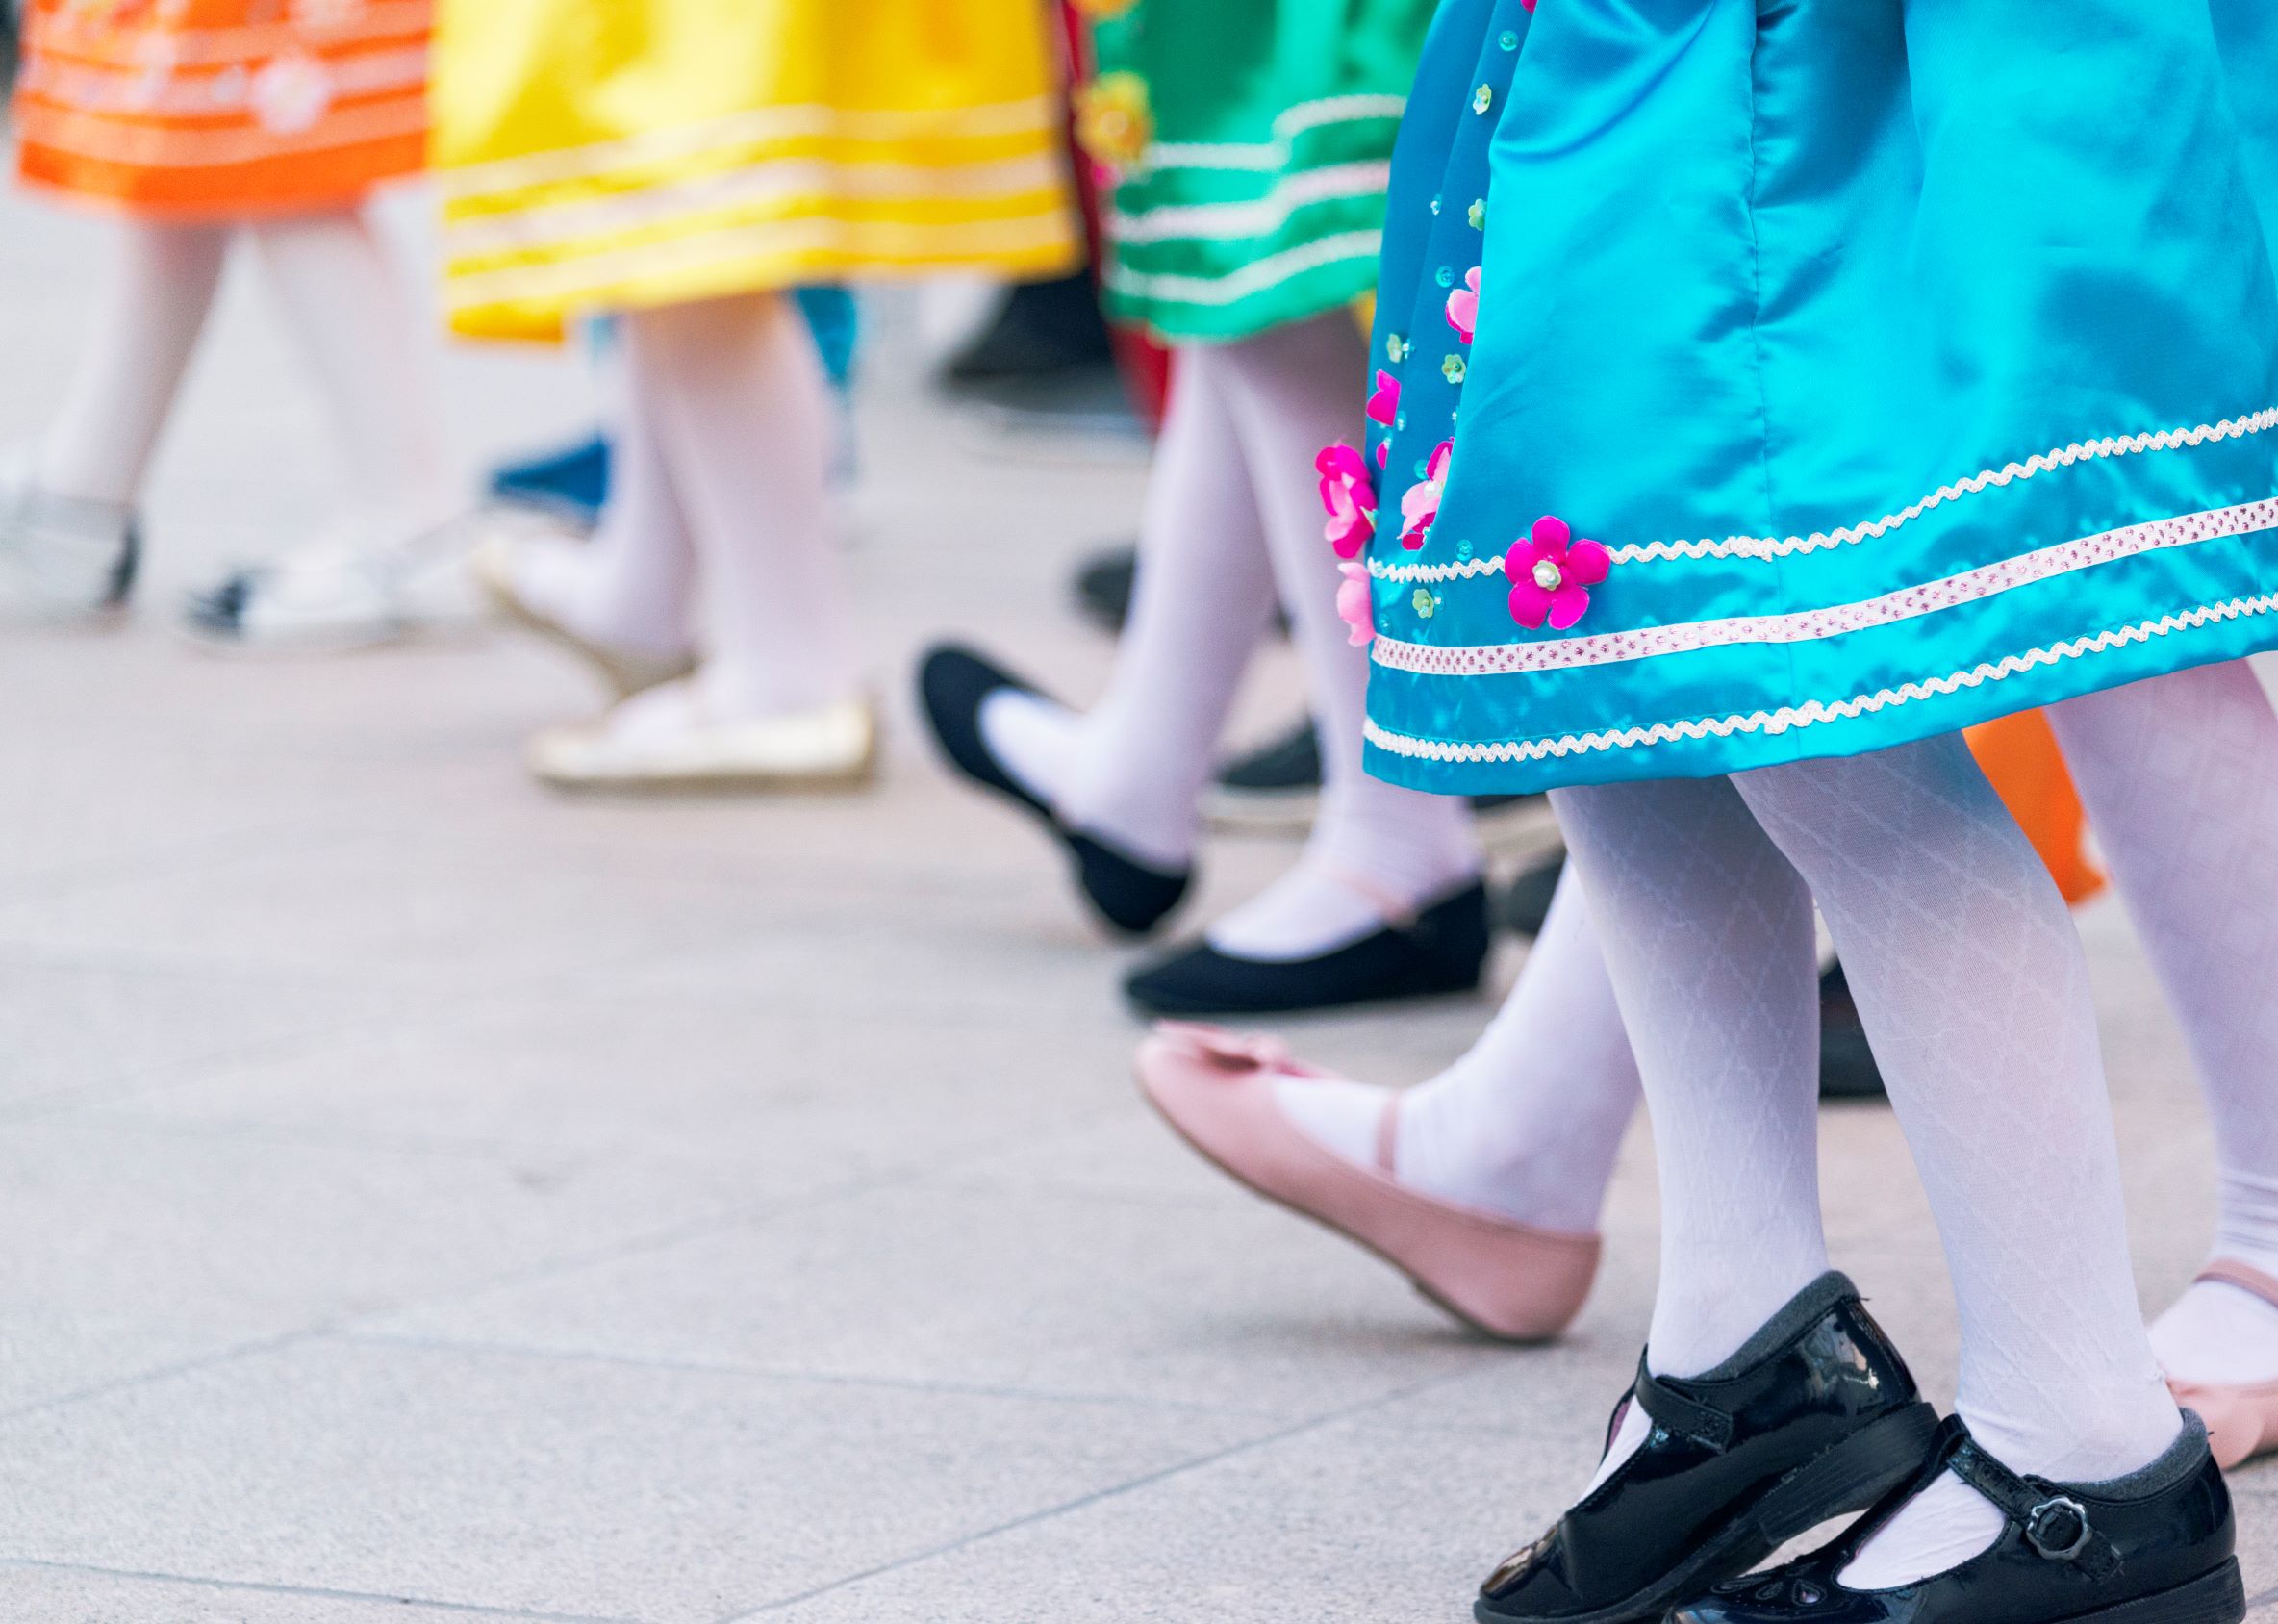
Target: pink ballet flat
[2242,1417]
[1509,1280]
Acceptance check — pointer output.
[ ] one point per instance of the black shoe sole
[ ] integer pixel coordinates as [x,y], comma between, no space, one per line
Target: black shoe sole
[1442,953]
[1845,1481]
[2214,1598]
[1173,1007]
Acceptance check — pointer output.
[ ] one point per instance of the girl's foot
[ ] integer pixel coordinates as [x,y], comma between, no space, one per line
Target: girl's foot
[671,738]
[61,558]
[1814,1417]
[1224,1095]
[2153,1547]
[955,686]
[375,581]
[519,575]
[1378,954]
[2218,1345]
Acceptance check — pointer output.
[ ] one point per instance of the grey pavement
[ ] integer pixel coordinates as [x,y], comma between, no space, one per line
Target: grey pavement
[426,1199]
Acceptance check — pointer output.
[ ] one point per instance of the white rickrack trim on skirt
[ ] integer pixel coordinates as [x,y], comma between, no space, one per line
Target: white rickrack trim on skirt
[2091,450]
[1785,717]
[1489,564]
[1971,586]
[1765,547]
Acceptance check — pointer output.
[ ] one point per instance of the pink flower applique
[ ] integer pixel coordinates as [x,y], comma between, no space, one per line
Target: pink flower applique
[1551,575]
[1384,406]
[1350,496]
[1463,306]
[1421,505]
[1356,604]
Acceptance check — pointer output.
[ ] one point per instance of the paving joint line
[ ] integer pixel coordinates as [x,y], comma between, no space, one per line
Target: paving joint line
[1096,1497]
[189,1366]
[476,1609]
[484,1347]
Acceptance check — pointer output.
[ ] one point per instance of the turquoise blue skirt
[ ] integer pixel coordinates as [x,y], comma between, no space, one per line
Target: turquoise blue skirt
[1770,379]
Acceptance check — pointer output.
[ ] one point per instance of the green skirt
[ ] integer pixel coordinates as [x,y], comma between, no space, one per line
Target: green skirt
[1250,145]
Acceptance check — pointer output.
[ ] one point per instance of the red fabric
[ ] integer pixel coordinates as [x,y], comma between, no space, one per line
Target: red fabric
[1144,365]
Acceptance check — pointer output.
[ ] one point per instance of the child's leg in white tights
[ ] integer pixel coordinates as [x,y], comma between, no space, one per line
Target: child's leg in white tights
[2180,778]
[1233,518]
[631,587]
[736,398]
[1131,770]
[1372,843]
[372,356]
[157,289]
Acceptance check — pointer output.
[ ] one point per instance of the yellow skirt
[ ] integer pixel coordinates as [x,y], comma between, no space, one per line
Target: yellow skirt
[593,155]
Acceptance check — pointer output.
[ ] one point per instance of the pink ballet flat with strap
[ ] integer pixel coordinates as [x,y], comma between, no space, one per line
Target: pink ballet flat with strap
[2242,1417]
[1509,1279]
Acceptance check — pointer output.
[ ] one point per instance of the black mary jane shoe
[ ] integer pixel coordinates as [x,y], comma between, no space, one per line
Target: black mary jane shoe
[953,683]
[1815,1418]
[2154,1547]
[1442,949]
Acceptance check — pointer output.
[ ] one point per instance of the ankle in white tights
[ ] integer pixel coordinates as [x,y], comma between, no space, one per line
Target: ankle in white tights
[1526,1125]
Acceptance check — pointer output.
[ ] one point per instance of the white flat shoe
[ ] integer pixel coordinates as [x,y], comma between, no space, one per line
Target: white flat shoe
[663,741]
[625,672]
[61,559]
[371,583]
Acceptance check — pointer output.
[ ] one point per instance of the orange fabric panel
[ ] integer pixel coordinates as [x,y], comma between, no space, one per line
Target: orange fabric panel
[217,108]
[2019,756]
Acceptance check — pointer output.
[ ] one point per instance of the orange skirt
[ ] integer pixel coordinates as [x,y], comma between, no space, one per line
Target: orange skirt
[217,108]
[2019,756]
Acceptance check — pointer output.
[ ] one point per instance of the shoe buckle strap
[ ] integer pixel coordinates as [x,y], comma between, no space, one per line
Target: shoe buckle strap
[2055,1524]
[1673,1410]
[2245,1277]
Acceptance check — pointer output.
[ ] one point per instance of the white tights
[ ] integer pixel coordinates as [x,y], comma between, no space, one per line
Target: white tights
[716,533]
[1233,520]
[363,342]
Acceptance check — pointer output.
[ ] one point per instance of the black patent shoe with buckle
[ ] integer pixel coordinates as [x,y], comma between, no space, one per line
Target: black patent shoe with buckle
[2154,1547]
[1815,1418]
